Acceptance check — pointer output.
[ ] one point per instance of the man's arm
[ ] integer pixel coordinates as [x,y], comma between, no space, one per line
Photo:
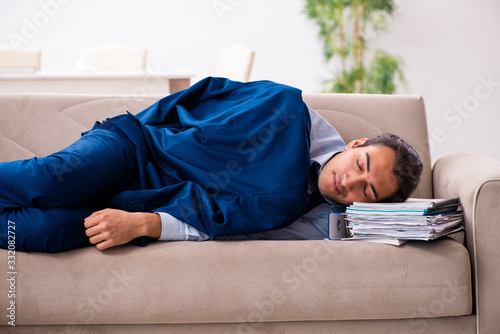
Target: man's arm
[111,227]
[311,226]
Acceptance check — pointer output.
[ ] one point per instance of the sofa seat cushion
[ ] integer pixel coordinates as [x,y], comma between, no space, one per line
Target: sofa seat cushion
[242,281]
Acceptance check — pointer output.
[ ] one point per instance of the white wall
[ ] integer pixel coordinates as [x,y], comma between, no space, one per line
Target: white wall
[450,48]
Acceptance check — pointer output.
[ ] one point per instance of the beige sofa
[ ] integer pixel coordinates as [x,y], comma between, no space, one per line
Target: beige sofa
[260,286]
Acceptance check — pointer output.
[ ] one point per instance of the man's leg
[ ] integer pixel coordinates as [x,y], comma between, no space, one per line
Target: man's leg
[43,201]
[44,229]
[89,171]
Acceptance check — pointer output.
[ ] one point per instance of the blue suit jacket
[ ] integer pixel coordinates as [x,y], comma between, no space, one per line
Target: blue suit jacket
[225,157]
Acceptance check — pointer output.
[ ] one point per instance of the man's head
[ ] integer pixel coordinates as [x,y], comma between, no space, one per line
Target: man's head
[384,168]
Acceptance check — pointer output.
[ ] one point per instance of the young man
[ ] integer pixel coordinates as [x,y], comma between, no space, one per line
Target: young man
[221,158]
[384,168]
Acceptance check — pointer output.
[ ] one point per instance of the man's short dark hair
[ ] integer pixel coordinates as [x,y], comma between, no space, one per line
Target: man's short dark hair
[407,168]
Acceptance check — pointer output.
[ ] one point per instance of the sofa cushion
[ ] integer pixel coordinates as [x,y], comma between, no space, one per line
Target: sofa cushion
[243,281]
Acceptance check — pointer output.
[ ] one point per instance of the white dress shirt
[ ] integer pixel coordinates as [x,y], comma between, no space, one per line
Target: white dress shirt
[325,143]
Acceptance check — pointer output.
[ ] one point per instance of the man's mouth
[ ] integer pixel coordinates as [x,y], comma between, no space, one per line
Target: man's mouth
[335,183]
[338,186]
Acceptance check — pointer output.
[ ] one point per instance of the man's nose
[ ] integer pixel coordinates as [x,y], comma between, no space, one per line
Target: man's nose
[352,180]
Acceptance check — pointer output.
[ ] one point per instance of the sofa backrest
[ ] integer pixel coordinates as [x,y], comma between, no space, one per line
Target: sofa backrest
[39,124]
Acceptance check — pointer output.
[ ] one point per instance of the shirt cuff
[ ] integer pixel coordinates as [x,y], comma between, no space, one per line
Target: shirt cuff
[172,229]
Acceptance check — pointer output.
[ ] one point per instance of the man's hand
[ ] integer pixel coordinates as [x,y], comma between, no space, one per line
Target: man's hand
[110,227]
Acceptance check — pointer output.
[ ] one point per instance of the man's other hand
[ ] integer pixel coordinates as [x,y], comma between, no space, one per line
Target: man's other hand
[111,227]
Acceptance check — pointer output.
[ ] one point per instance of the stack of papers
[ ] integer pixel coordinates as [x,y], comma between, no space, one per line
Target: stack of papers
[414,219]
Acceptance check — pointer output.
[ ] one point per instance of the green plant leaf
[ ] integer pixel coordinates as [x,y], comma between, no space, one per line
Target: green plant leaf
[344,28]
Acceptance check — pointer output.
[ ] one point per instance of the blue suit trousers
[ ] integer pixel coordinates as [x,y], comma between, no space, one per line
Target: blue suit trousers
[43,201]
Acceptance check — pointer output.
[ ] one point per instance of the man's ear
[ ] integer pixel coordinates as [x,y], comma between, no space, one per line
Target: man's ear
[355,143]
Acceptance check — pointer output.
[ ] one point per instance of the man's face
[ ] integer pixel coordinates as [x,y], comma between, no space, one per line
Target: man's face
[359,174]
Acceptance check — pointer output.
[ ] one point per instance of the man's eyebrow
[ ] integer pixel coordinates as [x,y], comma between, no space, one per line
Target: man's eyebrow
[368,170]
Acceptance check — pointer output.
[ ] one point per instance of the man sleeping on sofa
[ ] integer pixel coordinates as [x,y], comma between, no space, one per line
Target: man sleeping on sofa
[221,159]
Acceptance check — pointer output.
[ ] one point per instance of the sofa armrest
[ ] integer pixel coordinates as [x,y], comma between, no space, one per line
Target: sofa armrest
[475,179]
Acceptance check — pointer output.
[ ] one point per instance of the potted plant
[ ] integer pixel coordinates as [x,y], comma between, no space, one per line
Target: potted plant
[344,28]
